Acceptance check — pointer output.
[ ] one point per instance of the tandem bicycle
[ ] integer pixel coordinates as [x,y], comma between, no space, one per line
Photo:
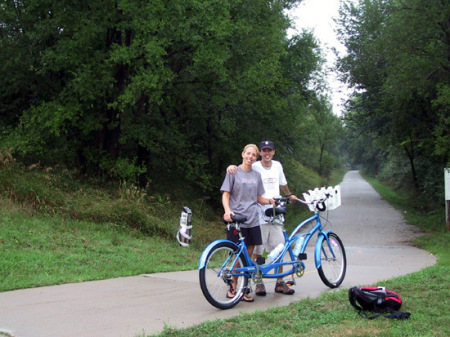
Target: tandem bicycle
[223,260]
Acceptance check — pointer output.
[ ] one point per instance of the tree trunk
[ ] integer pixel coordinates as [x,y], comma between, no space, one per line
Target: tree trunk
[410,154]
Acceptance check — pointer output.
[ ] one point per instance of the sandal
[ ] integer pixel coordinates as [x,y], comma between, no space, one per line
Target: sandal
[247,298]
[231,293]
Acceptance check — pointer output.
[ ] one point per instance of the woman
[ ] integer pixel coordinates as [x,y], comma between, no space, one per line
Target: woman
[241,193]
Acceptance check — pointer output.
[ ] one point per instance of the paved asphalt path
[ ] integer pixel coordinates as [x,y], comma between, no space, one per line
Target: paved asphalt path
[376,239]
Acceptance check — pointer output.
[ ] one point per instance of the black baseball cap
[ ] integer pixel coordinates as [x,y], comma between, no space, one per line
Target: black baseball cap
[266,144]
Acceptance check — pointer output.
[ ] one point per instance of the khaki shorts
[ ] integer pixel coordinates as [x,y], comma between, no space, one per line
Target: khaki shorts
[272,235]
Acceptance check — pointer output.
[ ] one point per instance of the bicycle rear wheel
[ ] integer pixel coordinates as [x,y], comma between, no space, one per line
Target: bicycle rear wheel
[216,279]
[333,261]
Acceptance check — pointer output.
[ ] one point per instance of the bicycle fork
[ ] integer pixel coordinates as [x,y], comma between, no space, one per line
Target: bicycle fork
[319,249]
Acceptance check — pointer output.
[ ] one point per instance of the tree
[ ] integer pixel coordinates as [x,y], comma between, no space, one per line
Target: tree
[135,89]
[398,60]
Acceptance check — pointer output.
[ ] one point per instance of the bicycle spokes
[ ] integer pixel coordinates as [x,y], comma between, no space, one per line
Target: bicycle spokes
[219,275]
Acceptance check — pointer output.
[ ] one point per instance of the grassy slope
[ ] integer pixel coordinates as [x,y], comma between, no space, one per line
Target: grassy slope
[55,228]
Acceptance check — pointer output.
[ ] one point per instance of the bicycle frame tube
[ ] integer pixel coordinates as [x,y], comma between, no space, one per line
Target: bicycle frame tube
[317,227]
[267,268]
[321,235]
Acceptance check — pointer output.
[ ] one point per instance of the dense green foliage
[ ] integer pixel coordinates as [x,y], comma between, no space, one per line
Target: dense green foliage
[398,63]
[145,91]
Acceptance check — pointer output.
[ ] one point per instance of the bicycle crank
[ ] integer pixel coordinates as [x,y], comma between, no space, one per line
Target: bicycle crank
[300,270]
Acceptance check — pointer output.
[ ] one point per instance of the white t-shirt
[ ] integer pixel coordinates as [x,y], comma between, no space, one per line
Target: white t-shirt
[272,178]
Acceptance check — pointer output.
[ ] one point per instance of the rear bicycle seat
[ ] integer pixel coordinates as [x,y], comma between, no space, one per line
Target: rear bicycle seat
[278,211]
[236,219]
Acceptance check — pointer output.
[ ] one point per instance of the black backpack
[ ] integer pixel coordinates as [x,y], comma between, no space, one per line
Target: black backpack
[376,299]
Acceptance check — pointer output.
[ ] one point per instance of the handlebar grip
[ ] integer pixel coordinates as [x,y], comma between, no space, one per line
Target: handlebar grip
[321,206]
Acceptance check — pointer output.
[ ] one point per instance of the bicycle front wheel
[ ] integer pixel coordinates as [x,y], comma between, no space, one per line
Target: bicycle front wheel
[216,277]
[333,261]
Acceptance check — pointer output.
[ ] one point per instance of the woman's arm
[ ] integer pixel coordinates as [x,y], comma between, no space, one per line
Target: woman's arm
[264,201]
[226,206]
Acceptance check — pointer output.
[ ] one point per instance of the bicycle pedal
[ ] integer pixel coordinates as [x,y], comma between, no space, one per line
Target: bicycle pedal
[260,260]
[290,283]
[302,256]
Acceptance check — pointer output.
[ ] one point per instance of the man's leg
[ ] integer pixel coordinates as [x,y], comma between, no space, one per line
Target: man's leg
[258,252]
[275,237]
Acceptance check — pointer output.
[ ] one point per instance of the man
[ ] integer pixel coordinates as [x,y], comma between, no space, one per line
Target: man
[273,178]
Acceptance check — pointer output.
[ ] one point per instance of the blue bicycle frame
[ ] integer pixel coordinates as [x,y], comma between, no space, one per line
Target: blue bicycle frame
[252,268]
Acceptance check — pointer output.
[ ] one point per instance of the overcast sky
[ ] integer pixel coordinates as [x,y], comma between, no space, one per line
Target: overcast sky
[317,15]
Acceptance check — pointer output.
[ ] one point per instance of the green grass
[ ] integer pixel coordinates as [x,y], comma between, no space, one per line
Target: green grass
[42,250]
[57,227]
[332,315]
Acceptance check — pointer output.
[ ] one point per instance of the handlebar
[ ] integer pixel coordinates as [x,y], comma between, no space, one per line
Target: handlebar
[279,208]
[280,201]
[319,204]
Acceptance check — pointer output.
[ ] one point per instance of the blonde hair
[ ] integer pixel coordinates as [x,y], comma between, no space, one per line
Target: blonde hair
[251,145]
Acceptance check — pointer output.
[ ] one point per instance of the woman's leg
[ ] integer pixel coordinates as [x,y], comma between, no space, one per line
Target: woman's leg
[250,251]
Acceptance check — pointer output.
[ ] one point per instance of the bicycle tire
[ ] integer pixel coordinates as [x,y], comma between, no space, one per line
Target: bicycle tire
[333,265]
[215,279]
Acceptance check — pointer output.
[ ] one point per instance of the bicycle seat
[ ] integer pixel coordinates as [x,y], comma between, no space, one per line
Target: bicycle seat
[278,210]
[237,218]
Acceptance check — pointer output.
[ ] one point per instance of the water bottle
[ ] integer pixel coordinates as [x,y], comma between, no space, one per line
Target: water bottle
[274,253]
[298,246]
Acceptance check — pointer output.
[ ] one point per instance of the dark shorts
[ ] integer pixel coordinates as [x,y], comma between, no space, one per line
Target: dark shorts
[252,236]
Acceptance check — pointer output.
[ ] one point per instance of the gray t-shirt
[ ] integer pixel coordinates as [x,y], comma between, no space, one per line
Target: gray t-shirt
[244,188]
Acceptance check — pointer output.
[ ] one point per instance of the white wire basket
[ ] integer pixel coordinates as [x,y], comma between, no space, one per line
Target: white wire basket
[332,202]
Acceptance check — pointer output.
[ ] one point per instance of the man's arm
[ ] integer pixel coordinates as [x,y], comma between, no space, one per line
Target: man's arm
[286,191]
[232,169]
